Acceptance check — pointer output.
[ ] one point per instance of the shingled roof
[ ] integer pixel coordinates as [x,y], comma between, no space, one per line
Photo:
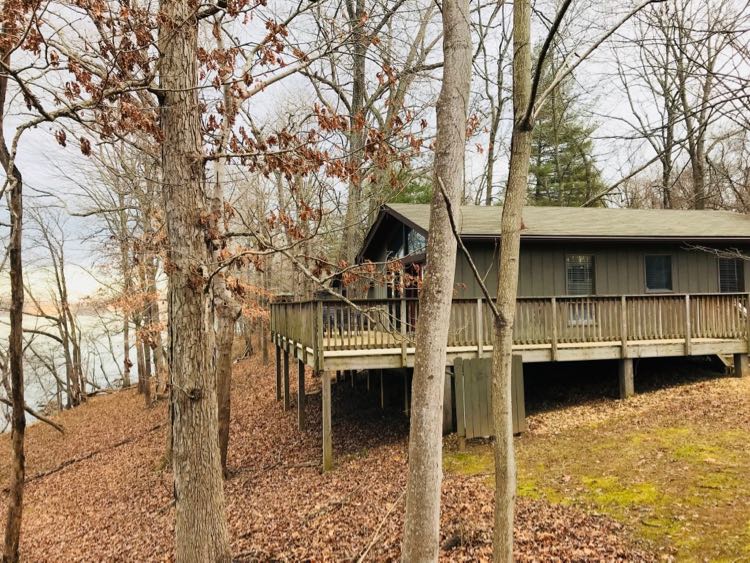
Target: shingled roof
[590,222]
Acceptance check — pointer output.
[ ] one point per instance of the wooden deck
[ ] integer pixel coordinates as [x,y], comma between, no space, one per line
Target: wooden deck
[379,334]
[335,336]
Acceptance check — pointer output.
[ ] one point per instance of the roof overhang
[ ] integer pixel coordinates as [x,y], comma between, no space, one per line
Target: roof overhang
[386,211]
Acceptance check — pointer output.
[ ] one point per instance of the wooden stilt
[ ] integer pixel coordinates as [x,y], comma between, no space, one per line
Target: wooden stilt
[278,371]
[286,379]
[627,385]
[406,391]
[382,391]
[301,395]
[741,368]
[327,438]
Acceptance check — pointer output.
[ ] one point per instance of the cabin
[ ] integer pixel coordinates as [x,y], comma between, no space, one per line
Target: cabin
[594,284]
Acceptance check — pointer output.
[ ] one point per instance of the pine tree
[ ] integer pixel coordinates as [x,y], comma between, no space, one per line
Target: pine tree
[562,163]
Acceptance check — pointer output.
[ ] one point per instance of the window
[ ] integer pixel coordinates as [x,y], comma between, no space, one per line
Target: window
[579,274]
[659,273]
[415,242]
[731,278]
[579,279]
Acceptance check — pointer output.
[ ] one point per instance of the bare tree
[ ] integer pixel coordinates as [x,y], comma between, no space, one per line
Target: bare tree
[422,520]
[528,98]
[14,181]
[200,528]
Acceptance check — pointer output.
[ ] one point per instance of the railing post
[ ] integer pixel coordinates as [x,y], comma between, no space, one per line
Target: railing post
[554,329]
[688,328]
[402,315]
[624,326]
[747,320]
[318,332]
[480,328]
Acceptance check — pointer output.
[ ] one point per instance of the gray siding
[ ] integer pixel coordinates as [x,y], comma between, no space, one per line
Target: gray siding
[618,268]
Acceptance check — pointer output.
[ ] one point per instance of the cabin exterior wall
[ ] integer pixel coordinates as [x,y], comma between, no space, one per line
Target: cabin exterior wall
[619,268]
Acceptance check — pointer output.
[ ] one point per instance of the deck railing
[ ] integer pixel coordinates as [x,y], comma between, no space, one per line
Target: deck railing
[326,325]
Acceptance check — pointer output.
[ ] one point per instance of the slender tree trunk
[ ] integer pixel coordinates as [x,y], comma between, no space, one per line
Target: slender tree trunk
[225,339]
[490,175]
[510,232]
[353,215]
[15,344]
[264,332]
[126,288]
[200,527]
[144,338]
[226,310]
[422,520]
[126,363]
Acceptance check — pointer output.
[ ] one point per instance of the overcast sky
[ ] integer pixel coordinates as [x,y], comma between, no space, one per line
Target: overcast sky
[53,174]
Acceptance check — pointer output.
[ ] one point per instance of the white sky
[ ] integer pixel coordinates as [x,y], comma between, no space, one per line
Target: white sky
[48,168]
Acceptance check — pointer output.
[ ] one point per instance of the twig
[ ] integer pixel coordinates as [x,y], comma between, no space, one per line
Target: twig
[35,414]
[380,527]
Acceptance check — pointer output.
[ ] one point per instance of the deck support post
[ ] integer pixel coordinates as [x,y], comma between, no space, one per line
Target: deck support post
[368,381]
[688,328]
[406,392]
[301,395]
[627,385]
[286,378]
[448,402]
[278,371]
[741,366]
[327,438]
[382,392]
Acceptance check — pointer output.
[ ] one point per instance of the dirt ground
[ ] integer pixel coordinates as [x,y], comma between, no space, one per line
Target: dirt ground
[598,480]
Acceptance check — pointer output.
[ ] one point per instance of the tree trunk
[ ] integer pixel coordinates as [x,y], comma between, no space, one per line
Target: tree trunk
[225,339]
[510,233]
[15,343]
[15,353]
[422,520]
[126,287]
[200,527]
[264,333]
[353,216]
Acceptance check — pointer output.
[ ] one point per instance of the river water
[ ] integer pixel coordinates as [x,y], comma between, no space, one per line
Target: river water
[101,350]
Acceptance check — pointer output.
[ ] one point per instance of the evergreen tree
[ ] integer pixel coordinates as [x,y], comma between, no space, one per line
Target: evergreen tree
[562,163]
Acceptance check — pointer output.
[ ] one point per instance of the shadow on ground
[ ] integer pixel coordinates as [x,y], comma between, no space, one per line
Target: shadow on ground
[552,386]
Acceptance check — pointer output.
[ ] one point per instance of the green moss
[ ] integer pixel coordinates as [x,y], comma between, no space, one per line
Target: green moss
[468,463]
[610,491]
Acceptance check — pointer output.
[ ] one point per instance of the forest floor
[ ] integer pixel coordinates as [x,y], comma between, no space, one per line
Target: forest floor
[660,475]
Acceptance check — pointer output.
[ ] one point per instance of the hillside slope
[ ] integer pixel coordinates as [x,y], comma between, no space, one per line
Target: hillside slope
[99,492]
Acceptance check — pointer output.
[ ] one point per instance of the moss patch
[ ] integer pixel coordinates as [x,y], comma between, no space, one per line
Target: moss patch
[677,477]
[468,463]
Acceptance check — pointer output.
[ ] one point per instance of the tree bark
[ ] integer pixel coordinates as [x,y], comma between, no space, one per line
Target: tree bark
[125,271]
[200,527]
[353,216]
[15,344]
[510,233]
[422,520]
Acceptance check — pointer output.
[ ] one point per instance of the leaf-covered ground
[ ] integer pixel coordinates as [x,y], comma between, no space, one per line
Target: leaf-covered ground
[671,464]
[100,492]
